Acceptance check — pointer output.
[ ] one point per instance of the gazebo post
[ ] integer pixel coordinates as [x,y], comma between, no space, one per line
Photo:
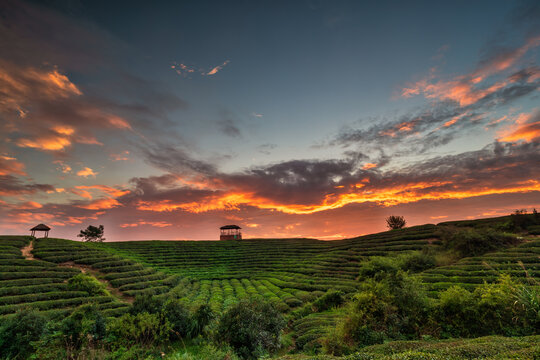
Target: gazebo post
[40,227]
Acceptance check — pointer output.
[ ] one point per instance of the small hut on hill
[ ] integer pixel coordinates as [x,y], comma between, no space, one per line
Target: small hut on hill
[40,227]
[230,232]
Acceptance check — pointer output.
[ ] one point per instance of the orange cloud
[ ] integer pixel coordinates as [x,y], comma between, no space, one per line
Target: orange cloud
[119,122]
[10,166]
[18,84]
[217,68]
[49,143]
[505,60]
[368,166]
[527,132]
[29,217]
[462,89]
[86,172]
[402,194]
[63,167]
[123,156]
[160,224]
[106,189]
[101,204]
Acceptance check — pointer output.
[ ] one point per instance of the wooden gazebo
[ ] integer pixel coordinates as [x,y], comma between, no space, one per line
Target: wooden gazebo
[40,227]
[230,232]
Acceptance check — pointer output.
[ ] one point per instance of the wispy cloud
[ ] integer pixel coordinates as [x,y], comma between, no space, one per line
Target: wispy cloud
[185,70]
[526,127]
[466,90]
[218,68]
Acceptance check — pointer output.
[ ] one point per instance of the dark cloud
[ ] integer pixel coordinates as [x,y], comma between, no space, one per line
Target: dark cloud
[228,127]
[175,159]
[228,124]
[266,149]
[11,185]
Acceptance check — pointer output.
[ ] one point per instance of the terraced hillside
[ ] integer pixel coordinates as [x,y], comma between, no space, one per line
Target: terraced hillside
[519,262]
[287,272]
[40,280]
[40,284]
[122,274]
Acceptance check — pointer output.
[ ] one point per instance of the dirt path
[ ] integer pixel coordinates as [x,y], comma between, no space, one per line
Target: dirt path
[27,251]
[85,269]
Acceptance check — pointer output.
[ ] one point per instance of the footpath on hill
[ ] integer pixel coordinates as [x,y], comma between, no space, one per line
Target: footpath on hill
[27,253]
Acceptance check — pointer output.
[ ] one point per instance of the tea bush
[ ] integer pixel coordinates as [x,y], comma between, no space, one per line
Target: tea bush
[252,329]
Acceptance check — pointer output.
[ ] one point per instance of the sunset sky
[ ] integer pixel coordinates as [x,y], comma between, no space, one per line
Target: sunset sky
[308,118]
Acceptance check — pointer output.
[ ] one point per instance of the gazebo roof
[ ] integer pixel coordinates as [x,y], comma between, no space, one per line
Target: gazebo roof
[40,227]
[226,227]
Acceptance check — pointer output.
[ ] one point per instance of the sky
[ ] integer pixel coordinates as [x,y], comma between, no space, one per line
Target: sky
[308,118]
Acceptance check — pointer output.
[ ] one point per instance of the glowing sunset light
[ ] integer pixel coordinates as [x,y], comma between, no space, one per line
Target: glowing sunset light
[319,120]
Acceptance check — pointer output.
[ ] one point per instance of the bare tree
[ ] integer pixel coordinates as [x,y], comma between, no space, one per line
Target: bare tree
[395,222]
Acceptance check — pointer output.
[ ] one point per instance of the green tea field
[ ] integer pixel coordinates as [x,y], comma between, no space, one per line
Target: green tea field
[291,274]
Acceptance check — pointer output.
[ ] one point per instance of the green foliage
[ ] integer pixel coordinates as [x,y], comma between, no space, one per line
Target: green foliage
[201,318]
[146,303]
[378,267]
[395,305]
[179,318]
[418,261]
[331,299]
[18,332]
[206,352]
[520,220]
[251,329]
[142,329]
[457,312]
[85,326]
[87,283]
[92,233]
[474,242]
[394,222]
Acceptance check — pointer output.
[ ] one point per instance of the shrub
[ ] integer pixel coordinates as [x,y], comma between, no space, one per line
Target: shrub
[496,307]
[418,261]
[394,306]
[378,267]
[251,328]
[142,329]
[179,318]
[146,303]
[201,318]
[208,351]
[457,312]
[331,299]
[90,284]
[473,242]
[17,333]
[85,326]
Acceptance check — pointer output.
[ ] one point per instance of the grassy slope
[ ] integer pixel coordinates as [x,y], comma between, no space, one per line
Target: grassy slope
[485,348]
[287,272]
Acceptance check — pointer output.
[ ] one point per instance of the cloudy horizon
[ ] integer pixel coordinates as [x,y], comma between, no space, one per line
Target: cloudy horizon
[291,119]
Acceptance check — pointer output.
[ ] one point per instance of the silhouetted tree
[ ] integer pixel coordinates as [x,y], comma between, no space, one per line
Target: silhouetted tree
[395,222]
[92,233]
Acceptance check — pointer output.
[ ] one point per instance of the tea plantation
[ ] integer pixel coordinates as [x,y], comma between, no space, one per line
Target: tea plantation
[301,278]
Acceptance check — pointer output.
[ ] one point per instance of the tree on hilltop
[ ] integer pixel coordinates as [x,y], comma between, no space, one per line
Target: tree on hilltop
[395,222]
[92,233]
